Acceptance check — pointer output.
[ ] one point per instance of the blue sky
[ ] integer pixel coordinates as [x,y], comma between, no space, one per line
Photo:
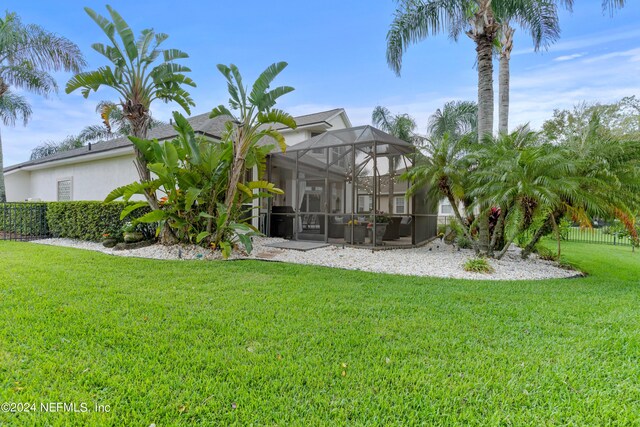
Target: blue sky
[336,55]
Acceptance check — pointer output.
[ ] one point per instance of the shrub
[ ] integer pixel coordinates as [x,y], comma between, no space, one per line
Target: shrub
[478,265]
[545,253]
[89,220]
[27,219]
[463,242]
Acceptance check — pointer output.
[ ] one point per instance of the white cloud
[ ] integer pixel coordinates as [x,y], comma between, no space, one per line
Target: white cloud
[595,39]
[568,57]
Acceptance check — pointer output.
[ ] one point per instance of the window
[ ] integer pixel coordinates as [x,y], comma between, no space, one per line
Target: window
[445,208]
[365,203]
[317,150]
[64,190]
[399,205]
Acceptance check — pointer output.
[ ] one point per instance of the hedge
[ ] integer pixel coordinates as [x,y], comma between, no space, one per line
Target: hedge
[26,219]
[90,220]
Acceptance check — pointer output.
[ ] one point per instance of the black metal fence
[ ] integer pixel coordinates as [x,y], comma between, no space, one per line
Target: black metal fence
[23,221]
[604,235]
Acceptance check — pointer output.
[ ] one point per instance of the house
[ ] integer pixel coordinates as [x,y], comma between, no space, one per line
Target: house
[341,183]
[93,171]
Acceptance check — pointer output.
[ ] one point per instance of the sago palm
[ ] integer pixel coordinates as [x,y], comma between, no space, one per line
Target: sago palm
[28,53]
[140,72]
[442,169]
[524,179]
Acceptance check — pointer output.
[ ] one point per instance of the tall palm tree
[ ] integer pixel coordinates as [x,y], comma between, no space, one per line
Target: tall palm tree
[13,108]
[28,53]
[416,20]
[140,72]
[456,118]
[403,127]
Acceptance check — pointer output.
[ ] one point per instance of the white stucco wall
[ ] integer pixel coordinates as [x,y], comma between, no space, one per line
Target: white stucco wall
[91,180]
[338,122]
[17,186]
[95,176]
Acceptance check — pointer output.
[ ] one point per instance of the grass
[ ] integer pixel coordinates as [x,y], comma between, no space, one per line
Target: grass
[478,265]
[236,343]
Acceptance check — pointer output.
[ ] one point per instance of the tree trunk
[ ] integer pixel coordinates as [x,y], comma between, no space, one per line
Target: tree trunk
[3,194]
[483,33]
[463,223]
[484,49]
[497,231]
[504,76]
[536,238]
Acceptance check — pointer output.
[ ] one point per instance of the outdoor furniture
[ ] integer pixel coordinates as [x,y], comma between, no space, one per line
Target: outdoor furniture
[392,231]
[404,230]
[282,221]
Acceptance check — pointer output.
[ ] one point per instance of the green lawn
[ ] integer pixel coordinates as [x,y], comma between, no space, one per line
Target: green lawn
[224,343]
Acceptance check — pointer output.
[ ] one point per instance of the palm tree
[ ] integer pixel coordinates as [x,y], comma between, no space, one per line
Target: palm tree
[114,125]
[524,179]
[402,126]
[28,53]
[49,148]
[443,170]
[133,75]
[504,75]
[416,20]
[13,108]
[256,115]
[456,118]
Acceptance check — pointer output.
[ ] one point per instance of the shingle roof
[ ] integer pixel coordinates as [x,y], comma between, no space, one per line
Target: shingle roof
[201,124]
[349,136]
[311,119]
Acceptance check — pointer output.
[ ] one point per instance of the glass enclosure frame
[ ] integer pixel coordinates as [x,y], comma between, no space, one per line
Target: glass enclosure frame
[337,183]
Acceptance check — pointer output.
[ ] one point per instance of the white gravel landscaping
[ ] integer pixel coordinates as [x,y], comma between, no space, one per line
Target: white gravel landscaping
[436,259]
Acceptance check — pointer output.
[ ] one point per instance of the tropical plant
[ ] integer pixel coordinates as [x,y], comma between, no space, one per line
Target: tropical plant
[524,180]
[416,20]
[192,176]
[49,148]
[28,53]
[253,123]
[140,72]
[456,118]
[13,108]
[478,265]
[403,127]
[114,125]
[443,170]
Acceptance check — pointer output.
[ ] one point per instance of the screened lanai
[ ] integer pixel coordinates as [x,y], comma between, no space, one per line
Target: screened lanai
[344,187]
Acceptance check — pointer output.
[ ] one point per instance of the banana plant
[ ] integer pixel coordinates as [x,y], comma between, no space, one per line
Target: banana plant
[253,123]
[140,72]
[191,176]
